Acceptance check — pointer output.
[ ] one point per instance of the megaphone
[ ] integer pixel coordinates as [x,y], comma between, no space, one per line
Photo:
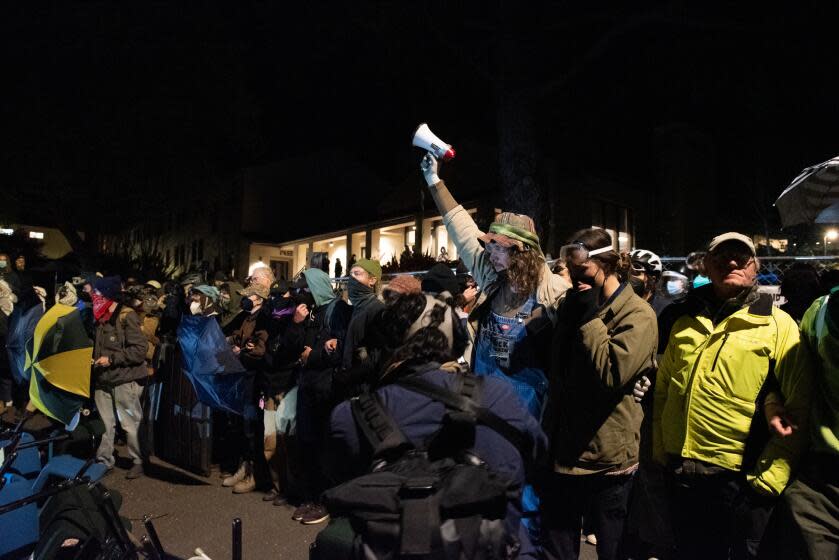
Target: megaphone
[428,141]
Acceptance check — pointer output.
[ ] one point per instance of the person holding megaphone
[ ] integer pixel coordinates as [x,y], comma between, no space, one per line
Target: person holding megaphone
[514,315]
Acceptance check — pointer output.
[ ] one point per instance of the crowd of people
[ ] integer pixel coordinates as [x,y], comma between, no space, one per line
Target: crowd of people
[658,414]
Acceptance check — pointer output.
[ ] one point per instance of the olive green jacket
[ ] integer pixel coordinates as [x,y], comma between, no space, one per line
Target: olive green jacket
[596,420]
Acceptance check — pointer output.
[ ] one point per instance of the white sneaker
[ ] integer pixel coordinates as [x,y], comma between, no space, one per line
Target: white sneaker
[591,539]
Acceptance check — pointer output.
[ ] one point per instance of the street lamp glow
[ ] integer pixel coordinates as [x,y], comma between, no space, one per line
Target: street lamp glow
[829,235]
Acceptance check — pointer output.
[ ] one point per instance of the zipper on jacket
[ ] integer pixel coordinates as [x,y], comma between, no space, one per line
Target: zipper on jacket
[717,357]
[689,389]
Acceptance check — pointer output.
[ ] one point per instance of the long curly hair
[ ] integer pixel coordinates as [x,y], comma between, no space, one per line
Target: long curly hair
[525,271]
[429,343]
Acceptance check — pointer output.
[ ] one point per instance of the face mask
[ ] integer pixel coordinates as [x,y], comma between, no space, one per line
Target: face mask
[101,308]
[674,288]
[3,264]
[637,285]
[247,305]
[586,279]
[195,308]
[357,291]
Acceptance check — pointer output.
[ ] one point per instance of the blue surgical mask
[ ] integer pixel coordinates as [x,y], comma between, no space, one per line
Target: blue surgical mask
[3,264]
[674,287]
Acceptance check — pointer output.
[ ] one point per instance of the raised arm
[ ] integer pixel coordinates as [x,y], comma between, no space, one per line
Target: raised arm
[461,228]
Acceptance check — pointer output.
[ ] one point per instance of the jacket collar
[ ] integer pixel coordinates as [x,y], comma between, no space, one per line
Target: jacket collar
[750,306]
[615,304]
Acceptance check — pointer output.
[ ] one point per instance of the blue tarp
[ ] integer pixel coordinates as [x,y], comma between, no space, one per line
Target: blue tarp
[216,374]
[21,330]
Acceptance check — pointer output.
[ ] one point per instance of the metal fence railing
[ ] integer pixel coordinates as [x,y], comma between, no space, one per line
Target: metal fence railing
[771,272]
[772,269]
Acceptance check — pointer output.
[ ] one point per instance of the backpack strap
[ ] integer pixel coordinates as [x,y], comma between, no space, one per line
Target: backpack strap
[378,428]
[462,403]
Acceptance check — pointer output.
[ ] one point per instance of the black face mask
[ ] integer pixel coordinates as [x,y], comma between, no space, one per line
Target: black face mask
[638,285]
[85,297]
[305,298]
[247,304]
[280,302]
[358,292]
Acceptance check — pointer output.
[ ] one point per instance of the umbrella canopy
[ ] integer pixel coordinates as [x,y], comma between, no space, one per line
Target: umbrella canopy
[812,197]
[216,374]
[58,361]
[21,329]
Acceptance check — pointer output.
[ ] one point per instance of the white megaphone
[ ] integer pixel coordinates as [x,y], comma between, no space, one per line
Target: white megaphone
[428,141]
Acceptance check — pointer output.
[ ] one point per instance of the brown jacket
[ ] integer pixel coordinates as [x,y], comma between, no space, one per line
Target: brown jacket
[254,329]
[149,326]
[122,340]
[596,426]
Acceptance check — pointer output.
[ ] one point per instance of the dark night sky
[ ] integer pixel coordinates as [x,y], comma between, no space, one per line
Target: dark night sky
[108,105]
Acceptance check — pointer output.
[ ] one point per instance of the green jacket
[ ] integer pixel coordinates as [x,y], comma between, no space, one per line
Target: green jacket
[597,421]
[709,382]
[822,338]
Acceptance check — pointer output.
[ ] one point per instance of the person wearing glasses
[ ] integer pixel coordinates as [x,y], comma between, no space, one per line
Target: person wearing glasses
[605,341]
[724,348]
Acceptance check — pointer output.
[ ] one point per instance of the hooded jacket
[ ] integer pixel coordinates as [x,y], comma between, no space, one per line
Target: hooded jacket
[122,340]
[711,379]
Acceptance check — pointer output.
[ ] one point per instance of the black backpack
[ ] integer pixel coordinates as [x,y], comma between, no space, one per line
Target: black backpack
[439,501]
[87,512]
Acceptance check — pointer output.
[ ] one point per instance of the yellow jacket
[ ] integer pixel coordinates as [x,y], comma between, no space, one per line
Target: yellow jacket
[708,384]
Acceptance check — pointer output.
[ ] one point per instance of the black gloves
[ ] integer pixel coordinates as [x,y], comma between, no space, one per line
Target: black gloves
[580,307]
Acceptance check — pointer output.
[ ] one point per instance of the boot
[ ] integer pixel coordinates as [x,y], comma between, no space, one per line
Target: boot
[236,477]
[247,483]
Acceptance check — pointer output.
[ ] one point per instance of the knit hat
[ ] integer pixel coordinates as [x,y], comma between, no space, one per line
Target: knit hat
[439,279]
[209,291]
[404,284]
[109,286]
[373,268]
[513,230]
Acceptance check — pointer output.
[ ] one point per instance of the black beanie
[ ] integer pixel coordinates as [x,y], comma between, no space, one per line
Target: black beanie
[440,278]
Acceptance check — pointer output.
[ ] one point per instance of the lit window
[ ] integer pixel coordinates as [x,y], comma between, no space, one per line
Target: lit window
[36,235]
[6,231]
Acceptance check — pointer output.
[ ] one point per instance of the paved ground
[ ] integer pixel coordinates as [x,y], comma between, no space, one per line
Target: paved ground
[191,511]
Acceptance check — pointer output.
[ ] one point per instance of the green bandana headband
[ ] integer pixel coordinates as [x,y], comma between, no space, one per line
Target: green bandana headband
[527,237]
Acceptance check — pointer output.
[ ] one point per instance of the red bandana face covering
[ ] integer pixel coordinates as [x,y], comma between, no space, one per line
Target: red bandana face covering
[101,308]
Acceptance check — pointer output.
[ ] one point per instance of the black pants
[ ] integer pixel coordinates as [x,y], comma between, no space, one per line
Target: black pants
[567,498]
[715,516]
[805,524]
[312,430]
[6,380]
